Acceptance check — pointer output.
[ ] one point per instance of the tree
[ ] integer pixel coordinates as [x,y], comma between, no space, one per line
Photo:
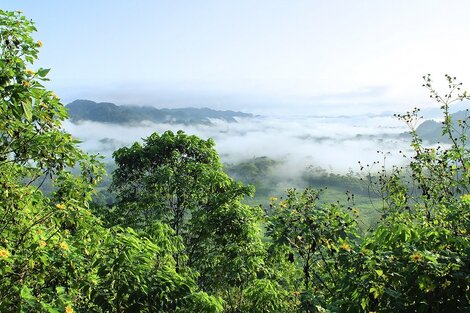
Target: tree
[55,255]
[313,236]
[137,273]
[38,235]
[417,259]
[178,179]
[170,178]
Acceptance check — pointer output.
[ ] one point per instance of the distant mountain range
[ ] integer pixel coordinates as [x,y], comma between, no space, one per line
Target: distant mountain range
[431,131]
[105,112]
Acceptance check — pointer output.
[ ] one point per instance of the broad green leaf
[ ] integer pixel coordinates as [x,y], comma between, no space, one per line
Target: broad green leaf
[27,109]
[26,293]
[42,72]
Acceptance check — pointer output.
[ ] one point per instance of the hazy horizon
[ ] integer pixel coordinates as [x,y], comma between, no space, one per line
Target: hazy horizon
[301,56]
[335,144]
[289,62]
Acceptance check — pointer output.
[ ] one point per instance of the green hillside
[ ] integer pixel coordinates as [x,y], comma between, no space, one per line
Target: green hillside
[105,112]
[431,131]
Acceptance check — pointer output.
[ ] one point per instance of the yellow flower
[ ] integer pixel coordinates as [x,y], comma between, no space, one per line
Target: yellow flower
[355,211]
[273,199]
[64,245]
[39,231]
[60,206]
[345,246]
[30,72]
[4,253]
[39,43]
[25,84]
[42,243]
[416,257]
[68,309]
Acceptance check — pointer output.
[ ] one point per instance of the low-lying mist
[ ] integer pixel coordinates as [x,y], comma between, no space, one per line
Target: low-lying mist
[333,143]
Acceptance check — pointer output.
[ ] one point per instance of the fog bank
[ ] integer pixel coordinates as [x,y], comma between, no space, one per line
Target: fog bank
[333,143]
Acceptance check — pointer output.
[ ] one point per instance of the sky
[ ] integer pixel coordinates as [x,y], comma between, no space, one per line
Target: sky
[264,56]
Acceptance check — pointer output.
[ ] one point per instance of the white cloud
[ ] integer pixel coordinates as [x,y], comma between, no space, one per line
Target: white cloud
[337,143]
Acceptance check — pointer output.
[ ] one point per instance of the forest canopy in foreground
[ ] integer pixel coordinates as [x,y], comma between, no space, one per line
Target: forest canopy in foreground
[181,239]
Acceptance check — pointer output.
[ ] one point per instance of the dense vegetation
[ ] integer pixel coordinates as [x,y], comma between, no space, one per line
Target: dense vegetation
[180,238]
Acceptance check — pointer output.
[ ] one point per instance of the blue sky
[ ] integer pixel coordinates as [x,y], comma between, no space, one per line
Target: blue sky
[342,56]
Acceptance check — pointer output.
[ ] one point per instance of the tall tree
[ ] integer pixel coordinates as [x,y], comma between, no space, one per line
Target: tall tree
[170,178]
[173,178]
[41,238]
[55,256]
[178,179]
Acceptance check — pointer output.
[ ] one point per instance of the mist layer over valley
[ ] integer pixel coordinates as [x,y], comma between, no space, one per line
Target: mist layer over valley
[272,152]
[335,143]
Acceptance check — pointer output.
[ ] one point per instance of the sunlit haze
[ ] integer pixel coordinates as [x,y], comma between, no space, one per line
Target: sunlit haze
[339,57]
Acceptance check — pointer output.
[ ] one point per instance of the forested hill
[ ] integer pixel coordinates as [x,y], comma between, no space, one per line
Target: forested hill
[105,112]
[431,130]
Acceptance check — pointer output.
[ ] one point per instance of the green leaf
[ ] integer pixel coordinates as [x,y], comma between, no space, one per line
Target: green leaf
[364,302]
[430,258]
[42,72]
[26,293]
[27,109]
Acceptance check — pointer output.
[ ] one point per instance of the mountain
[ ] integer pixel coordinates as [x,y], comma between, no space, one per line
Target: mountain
[106,112]
[431,131]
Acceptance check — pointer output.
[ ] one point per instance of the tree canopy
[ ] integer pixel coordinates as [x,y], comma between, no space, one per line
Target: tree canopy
[55,255]
[181,237]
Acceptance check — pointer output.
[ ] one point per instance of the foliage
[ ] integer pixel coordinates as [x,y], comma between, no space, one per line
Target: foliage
[316,237]
[43,266]
[351,182]
[258,172]
[137,273]
[55,255]
[431,131]
[178,179]
[168,178]
[180,239]
[266,295]
[417,258]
